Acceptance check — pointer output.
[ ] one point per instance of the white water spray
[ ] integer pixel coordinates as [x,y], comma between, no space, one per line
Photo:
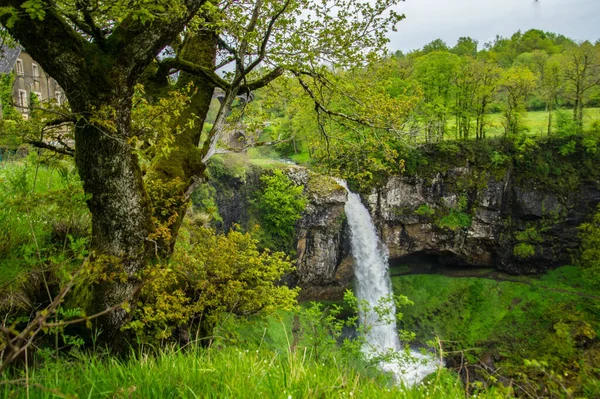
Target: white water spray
[373,285]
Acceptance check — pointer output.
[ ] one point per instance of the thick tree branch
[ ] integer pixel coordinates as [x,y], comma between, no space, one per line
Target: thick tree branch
[263,81]
[194,69]
[95,31]
[81,25]
[135,44]
[41,144]
[52,41]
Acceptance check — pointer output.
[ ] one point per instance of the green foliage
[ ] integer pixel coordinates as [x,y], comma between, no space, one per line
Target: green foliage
[565,124]
[44,239]
[35,9]
[43,208]
[457,218]
[517,84]
[210,275]
[6,89]
[204,198]
[527,240]
[425,210]
[279,204]
[530,234]
[524,250]
[498,159]
[589,259]
[551,319]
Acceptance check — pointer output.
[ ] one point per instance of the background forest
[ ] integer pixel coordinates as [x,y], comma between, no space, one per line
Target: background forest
[535,83]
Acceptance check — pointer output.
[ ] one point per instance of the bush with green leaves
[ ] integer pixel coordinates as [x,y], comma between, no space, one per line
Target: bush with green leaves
[209,276]
[425,210]
[589,258]
[527,240]
[278,204]
[457,217]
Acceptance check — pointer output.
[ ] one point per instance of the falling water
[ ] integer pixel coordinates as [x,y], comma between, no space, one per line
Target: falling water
[373,285]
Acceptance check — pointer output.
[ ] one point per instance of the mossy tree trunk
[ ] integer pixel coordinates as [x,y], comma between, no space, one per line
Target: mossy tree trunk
[98,77]
[183,166]
[119,204]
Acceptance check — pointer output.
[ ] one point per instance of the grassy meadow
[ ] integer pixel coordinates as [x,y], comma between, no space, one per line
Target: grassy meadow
[534,122]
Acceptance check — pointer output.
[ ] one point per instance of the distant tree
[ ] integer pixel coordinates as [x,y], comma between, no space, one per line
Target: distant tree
[435,73]
[517,83]
[435,45]
[550,82]
[465,46]
[528,59]
[488,77]
[466,84]
[504,49]
[581,72]
[535,39]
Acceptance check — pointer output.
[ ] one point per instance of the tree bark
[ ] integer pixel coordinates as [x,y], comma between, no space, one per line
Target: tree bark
[119,204]
[184,164]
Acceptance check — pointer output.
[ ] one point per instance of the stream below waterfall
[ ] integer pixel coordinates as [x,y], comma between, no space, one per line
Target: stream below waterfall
[373,285]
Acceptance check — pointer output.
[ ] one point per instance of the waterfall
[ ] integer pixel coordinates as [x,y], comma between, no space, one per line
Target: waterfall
[372,284]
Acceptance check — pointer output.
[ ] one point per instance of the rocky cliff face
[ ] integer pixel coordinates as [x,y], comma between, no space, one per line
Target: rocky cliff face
[323,265]
[467,215]
[472,218]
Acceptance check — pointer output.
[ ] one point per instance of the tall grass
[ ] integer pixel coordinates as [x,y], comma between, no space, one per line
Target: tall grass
[41,204]
[226,372]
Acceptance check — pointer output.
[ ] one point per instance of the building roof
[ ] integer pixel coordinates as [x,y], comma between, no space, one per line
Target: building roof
[8,57]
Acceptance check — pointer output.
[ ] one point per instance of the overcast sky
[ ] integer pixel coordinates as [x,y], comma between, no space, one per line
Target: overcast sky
[427,20]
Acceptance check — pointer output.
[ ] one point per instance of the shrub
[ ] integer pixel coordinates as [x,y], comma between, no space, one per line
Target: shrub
[498,159]
[279,204]
[523,250]
[457,218]
[589,258]
[210,275]
[425,210]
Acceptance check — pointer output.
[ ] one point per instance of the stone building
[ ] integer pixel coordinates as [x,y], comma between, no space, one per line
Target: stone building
[29,78]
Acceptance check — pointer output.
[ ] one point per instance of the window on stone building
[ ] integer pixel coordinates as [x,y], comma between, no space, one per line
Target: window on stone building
[22,102]
[58,96]
[19,67]
[35,71]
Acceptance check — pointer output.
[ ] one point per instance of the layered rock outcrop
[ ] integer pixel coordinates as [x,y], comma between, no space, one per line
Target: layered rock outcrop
[323,261]
[517,226]
[468,215]
[324,264]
